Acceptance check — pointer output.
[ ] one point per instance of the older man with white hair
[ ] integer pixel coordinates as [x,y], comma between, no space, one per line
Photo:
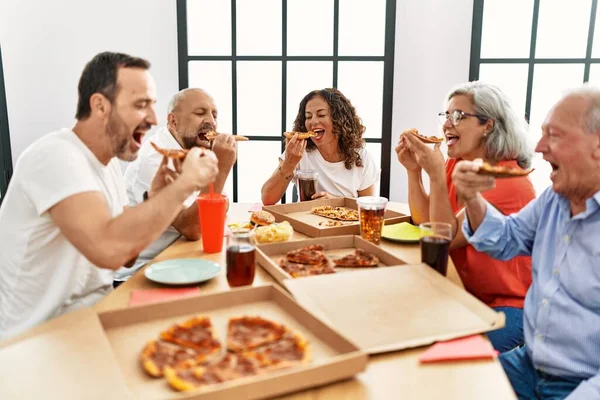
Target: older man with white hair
[561,231]
[192,113]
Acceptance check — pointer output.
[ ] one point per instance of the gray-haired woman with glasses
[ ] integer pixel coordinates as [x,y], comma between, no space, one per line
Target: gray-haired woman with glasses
[479,123]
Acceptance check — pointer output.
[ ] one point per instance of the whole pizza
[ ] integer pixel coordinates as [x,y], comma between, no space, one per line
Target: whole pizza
[190,357]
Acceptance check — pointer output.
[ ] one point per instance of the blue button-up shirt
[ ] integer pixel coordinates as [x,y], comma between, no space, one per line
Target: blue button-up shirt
[562,306]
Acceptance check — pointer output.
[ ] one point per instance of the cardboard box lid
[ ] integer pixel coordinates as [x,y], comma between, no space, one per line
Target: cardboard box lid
[427,307]
[70,358]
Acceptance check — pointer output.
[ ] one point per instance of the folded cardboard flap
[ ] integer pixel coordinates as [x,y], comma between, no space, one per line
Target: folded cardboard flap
[71,360]
[427,307]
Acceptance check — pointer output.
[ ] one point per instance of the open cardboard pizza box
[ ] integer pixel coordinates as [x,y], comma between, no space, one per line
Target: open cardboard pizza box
[301,218]
[395,308]
[268,255]
[88,355]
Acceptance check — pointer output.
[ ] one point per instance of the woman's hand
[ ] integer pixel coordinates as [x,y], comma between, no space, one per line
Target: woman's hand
[405,156]
[430,160]
[294,151]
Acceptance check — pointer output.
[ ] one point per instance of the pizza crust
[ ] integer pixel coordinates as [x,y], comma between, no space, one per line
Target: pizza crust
[301,135]
[498,171]
[338,213]
[423,138]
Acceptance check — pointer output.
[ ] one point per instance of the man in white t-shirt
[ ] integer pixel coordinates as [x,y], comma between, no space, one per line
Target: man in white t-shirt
[191,114]
[64,224]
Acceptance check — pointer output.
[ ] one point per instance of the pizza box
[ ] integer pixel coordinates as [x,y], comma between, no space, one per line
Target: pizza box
[268,255]
[426,307]
[302,220]
[103,350]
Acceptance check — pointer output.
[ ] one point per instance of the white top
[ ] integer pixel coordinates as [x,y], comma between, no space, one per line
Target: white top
[138,178]
[335,179]
[42,275]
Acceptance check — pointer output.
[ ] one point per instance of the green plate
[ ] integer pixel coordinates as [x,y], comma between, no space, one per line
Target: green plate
[182,271]
[401,233]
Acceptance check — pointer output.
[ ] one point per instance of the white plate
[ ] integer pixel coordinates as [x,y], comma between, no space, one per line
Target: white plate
[182,271]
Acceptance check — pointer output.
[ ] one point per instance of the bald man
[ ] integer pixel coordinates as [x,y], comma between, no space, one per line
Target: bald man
[191,114]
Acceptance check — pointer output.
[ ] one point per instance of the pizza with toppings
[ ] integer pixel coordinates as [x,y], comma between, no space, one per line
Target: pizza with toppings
[358,259]
[159,355]
[499,171]
[297,270]
[196,333]
[307,261]
[212,135]
[232,366]
[339,213]
[172,154]
[301,135]
[423,138]
[290,350]
[307,255]
[246,333]
[255,345]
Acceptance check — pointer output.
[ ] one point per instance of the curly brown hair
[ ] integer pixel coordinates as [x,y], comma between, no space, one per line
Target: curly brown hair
[347,126]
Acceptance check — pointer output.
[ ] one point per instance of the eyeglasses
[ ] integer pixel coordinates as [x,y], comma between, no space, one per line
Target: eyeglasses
[457,115]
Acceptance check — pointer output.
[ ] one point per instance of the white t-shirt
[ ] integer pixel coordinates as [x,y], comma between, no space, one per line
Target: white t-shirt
[138,179]
[335,179]
[42,275]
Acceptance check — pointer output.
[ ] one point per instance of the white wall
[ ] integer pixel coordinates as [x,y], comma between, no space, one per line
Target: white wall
[46,43]
[433,49]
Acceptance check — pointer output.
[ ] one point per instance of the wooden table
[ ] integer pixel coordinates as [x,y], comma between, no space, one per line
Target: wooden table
[396,375]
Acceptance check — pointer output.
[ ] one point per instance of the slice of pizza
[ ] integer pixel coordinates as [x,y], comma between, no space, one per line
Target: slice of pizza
[291,350]
[301,135]
[297,270]
[499,171]
[307,255]
[232,366]
[172,154]
[339,213]
[358,259]
[196,333]
[212,135]
[158,355]
[244,333]
[423,138]
[349,215]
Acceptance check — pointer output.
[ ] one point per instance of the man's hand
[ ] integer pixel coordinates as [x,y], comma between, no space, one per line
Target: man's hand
[468,183]
[164,176]
[224,147]
[200,167]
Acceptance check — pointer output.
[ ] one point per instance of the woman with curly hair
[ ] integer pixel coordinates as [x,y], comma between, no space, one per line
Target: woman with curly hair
[337,153]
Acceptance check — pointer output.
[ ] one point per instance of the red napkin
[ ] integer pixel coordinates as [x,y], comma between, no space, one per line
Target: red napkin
[145,296]
[467,348]
[256,207]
